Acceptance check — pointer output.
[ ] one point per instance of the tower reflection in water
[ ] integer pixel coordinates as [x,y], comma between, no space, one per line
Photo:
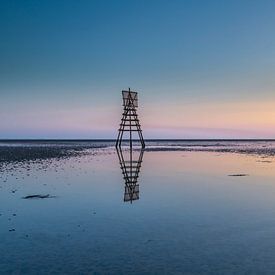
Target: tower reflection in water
[130,164]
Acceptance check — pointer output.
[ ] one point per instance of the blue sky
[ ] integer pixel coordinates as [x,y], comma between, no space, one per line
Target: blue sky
[204,69]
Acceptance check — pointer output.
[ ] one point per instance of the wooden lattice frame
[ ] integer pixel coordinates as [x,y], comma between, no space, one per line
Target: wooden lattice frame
[129,122]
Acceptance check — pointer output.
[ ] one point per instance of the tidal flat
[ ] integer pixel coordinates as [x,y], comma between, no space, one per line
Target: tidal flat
[197,207]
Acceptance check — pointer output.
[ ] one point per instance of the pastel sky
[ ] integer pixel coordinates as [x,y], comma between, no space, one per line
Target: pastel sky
[203,69]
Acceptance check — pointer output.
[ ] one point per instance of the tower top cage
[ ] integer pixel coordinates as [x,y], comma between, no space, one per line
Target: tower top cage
[130,98]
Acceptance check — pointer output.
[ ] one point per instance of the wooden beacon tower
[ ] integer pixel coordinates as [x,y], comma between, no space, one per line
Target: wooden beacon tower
[130,122]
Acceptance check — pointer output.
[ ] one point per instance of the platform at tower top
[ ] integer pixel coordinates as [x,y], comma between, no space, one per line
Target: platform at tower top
[130,98]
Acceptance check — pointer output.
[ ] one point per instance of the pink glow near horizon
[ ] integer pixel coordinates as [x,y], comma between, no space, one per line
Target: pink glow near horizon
[180,120]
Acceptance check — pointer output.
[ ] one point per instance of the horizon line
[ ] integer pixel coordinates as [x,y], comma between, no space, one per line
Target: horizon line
[150,139]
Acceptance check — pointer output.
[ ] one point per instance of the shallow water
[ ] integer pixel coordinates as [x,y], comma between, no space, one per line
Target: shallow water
[188,216]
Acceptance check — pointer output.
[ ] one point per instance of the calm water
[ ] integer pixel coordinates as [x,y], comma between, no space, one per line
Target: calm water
[189,212]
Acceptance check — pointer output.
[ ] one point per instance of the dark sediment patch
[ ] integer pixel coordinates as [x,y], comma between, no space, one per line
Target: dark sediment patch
[23,156]
[238,175]
[11,153]
[38,197]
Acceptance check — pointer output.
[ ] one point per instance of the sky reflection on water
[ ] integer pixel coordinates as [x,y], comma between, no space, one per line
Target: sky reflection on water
[190,216]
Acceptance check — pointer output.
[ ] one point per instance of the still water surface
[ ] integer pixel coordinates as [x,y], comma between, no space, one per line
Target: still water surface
[191,212]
